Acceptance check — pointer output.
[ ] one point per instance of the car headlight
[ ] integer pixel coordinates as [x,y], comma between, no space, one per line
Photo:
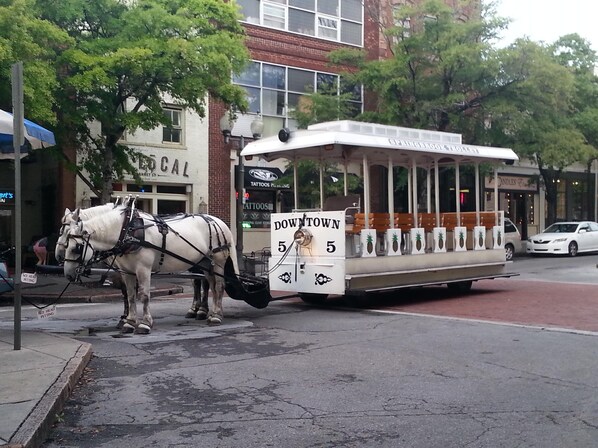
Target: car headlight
[559,240]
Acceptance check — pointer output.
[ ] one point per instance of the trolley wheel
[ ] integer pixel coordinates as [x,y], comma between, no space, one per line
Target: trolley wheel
[463,286]
[313,299]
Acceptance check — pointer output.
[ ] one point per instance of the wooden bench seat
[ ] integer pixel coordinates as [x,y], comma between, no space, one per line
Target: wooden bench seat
[377,221]
[403,221]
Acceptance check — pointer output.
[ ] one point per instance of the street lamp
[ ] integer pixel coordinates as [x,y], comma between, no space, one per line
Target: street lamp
[227,123]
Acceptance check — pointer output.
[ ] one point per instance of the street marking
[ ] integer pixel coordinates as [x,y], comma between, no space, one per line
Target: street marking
[481,321]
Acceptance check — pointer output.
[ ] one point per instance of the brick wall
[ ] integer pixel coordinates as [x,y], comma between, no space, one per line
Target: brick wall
[219,190]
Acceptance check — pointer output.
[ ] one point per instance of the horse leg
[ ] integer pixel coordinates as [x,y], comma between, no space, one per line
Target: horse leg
[123,317]
[192,312]
[199,307]
[131,320]
[216,316]
[202,311]
[119,282]
[144,280]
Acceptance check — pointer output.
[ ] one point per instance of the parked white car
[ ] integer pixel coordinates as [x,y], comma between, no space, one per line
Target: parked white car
[565,238]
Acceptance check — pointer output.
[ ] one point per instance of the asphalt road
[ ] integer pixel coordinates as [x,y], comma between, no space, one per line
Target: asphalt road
[421,369]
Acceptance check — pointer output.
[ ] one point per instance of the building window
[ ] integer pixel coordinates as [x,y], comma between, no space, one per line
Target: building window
[327,28]
[275,91]
[274,16]
[173,132]
[340,21]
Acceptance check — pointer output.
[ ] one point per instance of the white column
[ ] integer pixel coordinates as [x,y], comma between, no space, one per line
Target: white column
[496,196]
[457,192]
[428,190]
[346,178]
[414,192]
[409,191]
[390,189]
[295,184]
[477,193]
[437,192]
[366,189]
[321,185]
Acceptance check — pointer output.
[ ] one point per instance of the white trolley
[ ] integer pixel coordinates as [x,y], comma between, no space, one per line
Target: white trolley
[344,248]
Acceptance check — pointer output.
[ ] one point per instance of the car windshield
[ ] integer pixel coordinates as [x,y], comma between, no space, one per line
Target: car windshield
[561,228]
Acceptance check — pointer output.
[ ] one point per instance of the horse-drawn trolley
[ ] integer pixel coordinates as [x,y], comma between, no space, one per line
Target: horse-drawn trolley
[359,244]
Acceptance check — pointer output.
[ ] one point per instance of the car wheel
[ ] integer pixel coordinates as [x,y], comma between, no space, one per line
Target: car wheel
[573,248]
[509,251]
[313,299]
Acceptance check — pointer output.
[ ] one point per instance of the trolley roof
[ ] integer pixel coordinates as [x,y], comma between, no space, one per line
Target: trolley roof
[344,141]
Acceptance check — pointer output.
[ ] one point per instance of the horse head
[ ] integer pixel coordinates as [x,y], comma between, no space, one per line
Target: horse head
[77,250]
[65,224]
[70,218]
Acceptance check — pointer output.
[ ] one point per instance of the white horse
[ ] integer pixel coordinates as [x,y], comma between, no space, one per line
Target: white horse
[199,308]
[148,244]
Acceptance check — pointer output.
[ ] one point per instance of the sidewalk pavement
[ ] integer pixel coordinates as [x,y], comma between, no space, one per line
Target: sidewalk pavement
[36,380]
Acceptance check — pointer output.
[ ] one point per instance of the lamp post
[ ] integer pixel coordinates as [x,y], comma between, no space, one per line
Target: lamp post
[227,123]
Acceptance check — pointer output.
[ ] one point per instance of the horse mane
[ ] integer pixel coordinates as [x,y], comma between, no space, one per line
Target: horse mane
[91,212]
[105,223]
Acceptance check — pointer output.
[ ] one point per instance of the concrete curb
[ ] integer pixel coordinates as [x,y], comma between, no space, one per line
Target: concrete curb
[91,296]
[36,427]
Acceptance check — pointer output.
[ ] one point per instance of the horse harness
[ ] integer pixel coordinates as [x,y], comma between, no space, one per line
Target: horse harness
[132,238]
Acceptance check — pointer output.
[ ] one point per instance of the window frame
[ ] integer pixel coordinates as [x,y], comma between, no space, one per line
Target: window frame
[170,111]
[267,6]
[291,91]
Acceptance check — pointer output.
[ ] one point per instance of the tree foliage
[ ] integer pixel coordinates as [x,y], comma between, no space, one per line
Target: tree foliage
[440,71]
[26,37]
[127,59]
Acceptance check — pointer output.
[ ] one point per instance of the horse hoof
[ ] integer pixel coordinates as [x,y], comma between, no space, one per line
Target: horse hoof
[201,315]
[127,328]
[191,315]
[120,324]
[143,329]
[214,320]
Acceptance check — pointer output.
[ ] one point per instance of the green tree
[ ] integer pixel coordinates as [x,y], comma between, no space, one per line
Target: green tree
[127,58]
[576,53]
[323,106]
[24,36]
[536,115]
[441,70]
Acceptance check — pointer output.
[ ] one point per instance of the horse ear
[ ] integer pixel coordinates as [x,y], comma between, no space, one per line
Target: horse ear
[67,211]
[76,214]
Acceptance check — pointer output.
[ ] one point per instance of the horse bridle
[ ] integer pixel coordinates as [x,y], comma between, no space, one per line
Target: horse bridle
[80,249]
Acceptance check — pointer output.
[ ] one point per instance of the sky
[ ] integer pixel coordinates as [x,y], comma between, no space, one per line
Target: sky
[547,20]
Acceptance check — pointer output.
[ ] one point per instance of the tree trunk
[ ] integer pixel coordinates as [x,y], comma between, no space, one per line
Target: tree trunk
[107,177]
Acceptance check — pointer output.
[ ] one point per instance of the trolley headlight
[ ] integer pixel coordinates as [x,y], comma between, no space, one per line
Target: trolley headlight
[302,237]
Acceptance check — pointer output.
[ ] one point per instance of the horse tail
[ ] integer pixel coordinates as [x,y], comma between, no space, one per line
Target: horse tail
[234,257]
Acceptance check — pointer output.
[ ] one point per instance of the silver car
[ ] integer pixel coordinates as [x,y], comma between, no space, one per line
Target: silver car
[512,239]
[565,238]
